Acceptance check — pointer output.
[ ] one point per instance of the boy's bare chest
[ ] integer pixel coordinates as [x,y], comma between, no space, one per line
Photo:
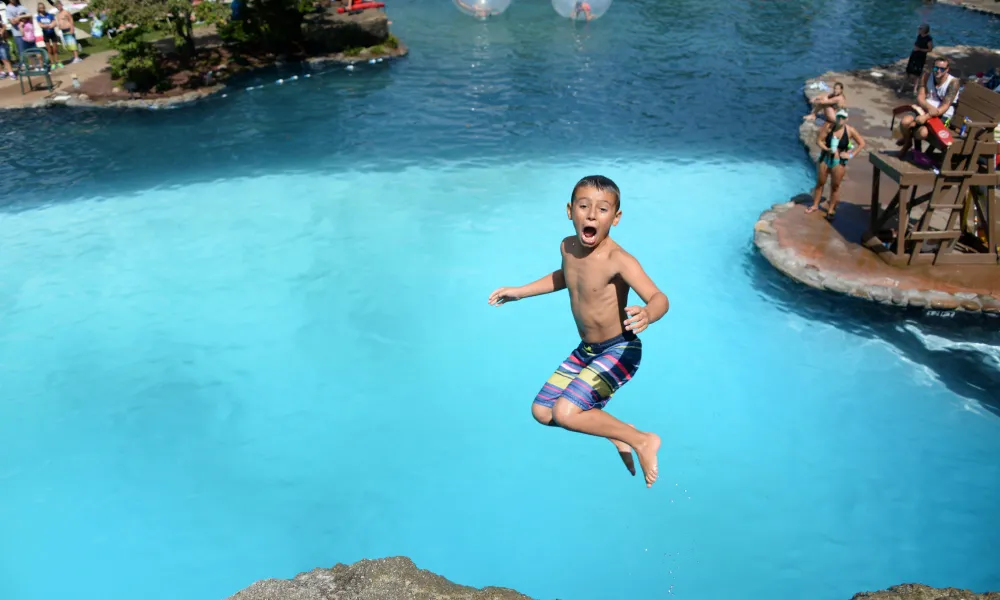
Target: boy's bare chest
[587,276]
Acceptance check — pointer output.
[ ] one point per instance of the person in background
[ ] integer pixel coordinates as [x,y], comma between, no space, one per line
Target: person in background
[64,21]
[936,98]
[5,54]
[918,56]
[28,34]
[828,104]
[47,22]
[836,141]
[15,15]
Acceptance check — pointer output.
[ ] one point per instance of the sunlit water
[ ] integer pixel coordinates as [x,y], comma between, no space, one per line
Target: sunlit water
[250,337]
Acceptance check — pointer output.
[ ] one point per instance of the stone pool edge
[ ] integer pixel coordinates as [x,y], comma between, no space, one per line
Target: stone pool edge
[791,264]
[83,101]
[398,577]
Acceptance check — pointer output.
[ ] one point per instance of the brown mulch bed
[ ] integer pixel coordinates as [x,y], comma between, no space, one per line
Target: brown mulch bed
[184,79]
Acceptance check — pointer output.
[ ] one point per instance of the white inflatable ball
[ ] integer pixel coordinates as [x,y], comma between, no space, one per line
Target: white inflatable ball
[581,10]
[482,9]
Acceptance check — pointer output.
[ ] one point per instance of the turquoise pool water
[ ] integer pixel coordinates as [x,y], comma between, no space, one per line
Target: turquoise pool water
[249,338]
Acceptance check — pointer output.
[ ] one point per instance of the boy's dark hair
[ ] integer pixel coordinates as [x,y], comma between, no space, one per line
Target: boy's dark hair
[600,183]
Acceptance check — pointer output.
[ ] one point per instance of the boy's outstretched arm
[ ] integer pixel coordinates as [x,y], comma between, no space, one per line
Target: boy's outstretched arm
[640,317]
[553,282]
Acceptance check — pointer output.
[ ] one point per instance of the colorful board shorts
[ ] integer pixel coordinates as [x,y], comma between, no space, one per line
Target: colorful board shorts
[593,373]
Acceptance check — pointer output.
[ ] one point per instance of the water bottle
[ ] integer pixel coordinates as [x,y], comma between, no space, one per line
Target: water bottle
[76,82]
[965,127]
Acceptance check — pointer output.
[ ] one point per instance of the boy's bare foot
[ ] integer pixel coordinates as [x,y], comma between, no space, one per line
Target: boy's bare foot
[625,452]
[809,117]
[647,457]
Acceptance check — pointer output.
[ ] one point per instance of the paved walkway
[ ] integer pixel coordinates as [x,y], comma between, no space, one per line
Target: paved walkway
[62,79]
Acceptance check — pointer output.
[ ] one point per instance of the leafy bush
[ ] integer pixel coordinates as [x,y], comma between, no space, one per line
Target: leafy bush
[268,25]
[137,60]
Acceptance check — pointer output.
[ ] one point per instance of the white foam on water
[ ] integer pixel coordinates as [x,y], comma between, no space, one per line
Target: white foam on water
[990,354]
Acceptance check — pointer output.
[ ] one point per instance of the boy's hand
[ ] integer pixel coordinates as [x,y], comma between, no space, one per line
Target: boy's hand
[504,295]
[638,319]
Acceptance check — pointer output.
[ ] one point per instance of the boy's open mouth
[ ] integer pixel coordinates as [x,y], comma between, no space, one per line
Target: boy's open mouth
[588,234]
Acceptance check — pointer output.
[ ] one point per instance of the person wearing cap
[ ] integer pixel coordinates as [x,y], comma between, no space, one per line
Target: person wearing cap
[838,143]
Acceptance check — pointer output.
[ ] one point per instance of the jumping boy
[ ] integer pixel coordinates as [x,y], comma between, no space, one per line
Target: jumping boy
[598,274]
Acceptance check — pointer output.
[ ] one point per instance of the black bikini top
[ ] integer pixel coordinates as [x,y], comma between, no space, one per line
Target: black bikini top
[845,141]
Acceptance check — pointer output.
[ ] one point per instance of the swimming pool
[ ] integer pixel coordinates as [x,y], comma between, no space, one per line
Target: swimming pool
[249,338]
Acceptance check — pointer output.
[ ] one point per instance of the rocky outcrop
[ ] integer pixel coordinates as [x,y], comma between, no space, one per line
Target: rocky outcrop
[910,591]
[395,578]
[991,7]
[328,31]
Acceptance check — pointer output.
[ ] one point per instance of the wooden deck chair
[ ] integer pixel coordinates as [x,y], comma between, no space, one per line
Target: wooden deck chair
[34,61]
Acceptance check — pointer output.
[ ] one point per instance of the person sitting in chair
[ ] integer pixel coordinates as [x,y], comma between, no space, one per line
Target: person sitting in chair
[936,97]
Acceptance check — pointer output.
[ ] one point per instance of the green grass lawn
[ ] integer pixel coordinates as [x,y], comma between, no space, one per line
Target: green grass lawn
[93,45]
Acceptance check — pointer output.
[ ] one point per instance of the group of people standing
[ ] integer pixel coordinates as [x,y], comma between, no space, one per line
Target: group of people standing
[20,28]
[936,94]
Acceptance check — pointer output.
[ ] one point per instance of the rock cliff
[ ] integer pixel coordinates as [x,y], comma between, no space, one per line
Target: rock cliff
[397,578]
[328,31]
[910,591]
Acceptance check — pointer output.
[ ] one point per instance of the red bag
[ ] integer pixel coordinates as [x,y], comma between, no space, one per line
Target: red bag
[942,133]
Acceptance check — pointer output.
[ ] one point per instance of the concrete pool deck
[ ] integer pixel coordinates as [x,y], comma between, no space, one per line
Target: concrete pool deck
[985,6]
[322,30]
[62,82]
[829,256]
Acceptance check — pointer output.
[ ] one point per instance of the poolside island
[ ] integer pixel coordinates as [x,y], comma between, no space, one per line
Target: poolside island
[861,252]
[330,34]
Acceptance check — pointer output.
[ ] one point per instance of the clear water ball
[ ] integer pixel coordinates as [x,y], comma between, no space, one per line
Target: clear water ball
[581,10]
[482,9]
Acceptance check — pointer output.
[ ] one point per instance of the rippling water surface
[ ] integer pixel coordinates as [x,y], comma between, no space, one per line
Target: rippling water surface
[250,337]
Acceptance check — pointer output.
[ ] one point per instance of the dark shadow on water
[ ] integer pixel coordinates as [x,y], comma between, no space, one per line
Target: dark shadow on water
[956,347]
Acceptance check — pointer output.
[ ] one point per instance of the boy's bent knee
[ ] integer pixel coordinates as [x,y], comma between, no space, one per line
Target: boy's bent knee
[542,413]
[563,411]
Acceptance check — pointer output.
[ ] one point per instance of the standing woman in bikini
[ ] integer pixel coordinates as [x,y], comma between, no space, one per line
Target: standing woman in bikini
[835,142]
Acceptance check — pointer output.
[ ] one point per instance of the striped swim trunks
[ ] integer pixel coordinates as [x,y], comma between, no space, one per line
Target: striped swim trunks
[593,373]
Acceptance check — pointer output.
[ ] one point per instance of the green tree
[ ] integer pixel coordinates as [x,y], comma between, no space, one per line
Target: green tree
[150,15]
